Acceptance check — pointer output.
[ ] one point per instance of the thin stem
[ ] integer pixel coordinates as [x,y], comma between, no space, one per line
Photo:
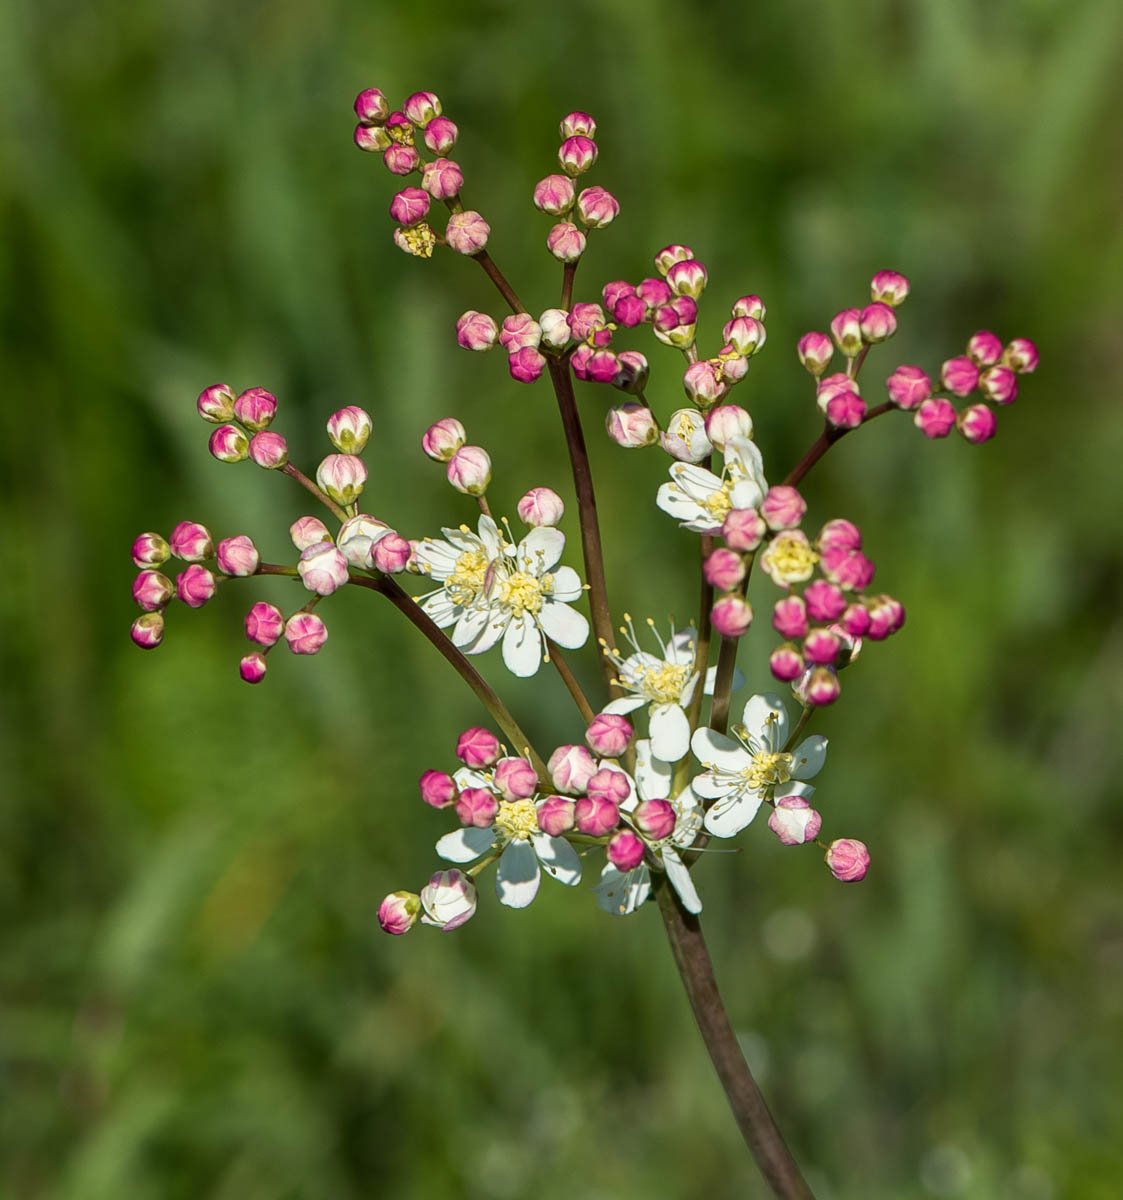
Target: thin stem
[567,284]
[727,665]
[800,725]
[826,440]
[705,629]
[497,277]
[855,364]
[757,1125]
[276,569]
[305,482]
[484,507]
[570,681]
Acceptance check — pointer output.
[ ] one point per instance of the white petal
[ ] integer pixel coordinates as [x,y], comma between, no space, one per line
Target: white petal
[745,493]
[441,608]
[809,757]
[794,788]
[625,704]
[490,536]
[766,719]
[465,777]
[696,482]
[463,845]
[711,679]
[470,625]
[540,549]
[680,649]
[565,625]
[673,501]
[619,893]
[558,858]
[711,747]
[670,732]
[522,647]
[518,876]
[709,787]
[653,777]
[567,584]
[681,881]
[729,817]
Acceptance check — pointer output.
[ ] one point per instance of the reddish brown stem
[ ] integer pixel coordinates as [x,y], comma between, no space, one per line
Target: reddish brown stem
[497,277]
[825,441]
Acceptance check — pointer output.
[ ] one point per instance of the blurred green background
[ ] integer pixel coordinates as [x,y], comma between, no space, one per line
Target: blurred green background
[195,999]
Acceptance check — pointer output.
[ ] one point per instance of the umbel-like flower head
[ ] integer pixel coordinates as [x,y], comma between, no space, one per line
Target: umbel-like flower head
[700,500]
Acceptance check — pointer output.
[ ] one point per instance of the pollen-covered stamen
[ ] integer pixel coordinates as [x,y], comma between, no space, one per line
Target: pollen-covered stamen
[767,768]
[516,820]
[417,240]
[717,503]
[523,593]
[662,684]
[466,579]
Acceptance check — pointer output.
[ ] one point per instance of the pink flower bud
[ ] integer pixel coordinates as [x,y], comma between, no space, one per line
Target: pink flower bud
[984,349]
[577,154]
[307,531]
[469,470]
[743,529]
[608,784]
[724,569]
[195,586]
[255,408]
[541,506]
[856,620]
[825,601]
[789,617]
[400,128]
[147,631]
[819,686]
[845,410]
[889,287]
[687,278]
[815,352]
[467,232]
[625,850]
[556,334]
[655,819]
[783,507]
[631,424]
[888,612]
[959,375]
[878,322]
[1021,355]
[731,616]
[191,541]
[745,334]
[371,106]
[654,292]
[840,533]
[349,429]
[832,385]
[515,778]
[342,477]
[476,807]
[422,107]
[556,816]
[629,311]
[999,384]
[554,195]
[977,423]
[821,646]
[571,768]
[477,748]
[609,734]
[216,403]
[850,569]
[264,624]
[749,306]
[669,255]
[586,319]
[392,554]
[269,450]
[229,444]
[252,667]
[908,387]
[595,817]
[846,328]
[237,556]
[578,123]
[372,139]
[398,912]
[848,859]
[305,633]
[702,383]
[449,899]
[152,590]
[409,206]
[566,242]
[935,418]
[322,568]
[631,372]
[597,208]
[442,179]
[726,423]
[734,366]
[401,160]
[519,330]
[674,323]
[440,135]
[150,550]
[442,439]
[794,821]
[476,331]
[615,291]
[786,663]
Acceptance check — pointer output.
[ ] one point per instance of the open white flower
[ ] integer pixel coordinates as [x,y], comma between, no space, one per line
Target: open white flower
[459,564]
[700,500]
[739,775]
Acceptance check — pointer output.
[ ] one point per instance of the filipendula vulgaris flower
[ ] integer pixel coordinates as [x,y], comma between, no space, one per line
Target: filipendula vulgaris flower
[740,774]
[459,563]
[622,892]
[700,500]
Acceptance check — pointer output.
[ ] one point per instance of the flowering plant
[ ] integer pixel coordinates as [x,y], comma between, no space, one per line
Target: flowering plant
[658,772]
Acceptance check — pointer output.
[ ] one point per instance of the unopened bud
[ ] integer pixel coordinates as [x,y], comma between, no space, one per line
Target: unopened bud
[269,450]
[908,387]
[595,817]
[789,617]
[743,529]
[398,912]
[631,425]
[255,408]
[195,586]
[442,179]
[216,403]
[191,541]
[819,686]
[666,258]
[342,477]
[655,819]
[687,278]
[959,375]
[848,859]
[625,851]
[264,624]
[371,106]
[724,569]
[252,667]
[597,208]
[147,631]
[786,663]
[469,470]
[467,232]
[229,444]
[401,160]
[478,747]
[541,506]
[984,348]
[815,352]
[151,550]
[577,123]
[821,647]
[745,334]
[1021,356]
[794,821]
[566,242]
[977,423]
[731,616]
[410,206]
[783,507]
[631,371]
[878,322]
[373,139]
[577,154]
[518,330]
[237,556]
[449,899]
[555,816]
[305,633]
[555,195]
[307,531]
[349,429]
[392,554]
[825,601]
[440,135]
[727,423]
[422,107]
[476,807]
[749,306]
[322,568]
[152,590]
[845,409]
[890,287]
[609,734]
[846,328]
[999,384]
[935,418]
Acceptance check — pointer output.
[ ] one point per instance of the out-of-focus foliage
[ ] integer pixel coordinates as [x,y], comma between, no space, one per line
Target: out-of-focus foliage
[194,996]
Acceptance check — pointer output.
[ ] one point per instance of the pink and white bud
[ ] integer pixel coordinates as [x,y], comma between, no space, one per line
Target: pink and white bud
[935,418]
[685,436]
[269,450]
[609,783]
[840,534]
[1021,356]
[687,278]
[191,541]
[349,429]
[577,154]
[629,310]
[519,330]
[999,384]
[147,631]
[674,324]
[655,819]
[151,550]
[264,624]
[515,778]
[585,320]
[848,859]
[749,306]
[449,899]
[410,206]
[358,537]
[631,425]
[476,331]
[845,410]
[846,329]
[615,291]
[392,554]
[726,423]
[794,821]
[731,616]
[440,135]
[984,348]
[745,334]
[322,568]
[541,506]
[908,387]
[878,322]
[625,851]
[422,107]
[467,232]
[371,106]
[597,208]
[255,408]
[252,667]
[743,529]
[372,138]
[960,375]
[305,633]
[825,601]
[555,816]
[654,292]
[631,372]
[571,768]
[469,470]
[216,403]
[152,590]
[889,287]
[398,912]
[577,123]
[815,352]
[566,242]
[307,531]
[856,620]
[703,384]
[783,507]
[229,444]
[833,385]
[850,569]
[724,569]
[819,686]
[342,477]
[609,734]
[526,365]
[789,617]
[666,258]
[195,586]
[977,423]
[478,748]
[821,647]
[237,556]
[556,333]
[555,195]
[442,179]
[476,807]
[400,128]
[786,663]
[734,366]
[595,817]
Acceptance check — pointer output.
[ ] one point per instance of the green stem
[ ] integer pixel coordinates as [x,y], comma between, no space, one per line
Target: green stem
[800,725]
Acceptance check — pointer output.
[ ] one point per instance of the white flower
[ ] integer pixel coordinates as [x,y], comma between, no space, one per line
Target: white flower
[460,564]
[449,899]
[622,892]
[739,775]
[700,500]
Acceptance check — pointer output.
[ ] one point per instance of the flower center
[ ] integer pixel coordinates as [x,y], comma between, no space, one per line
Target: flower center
[467,576]
[516,820]
[523,592]
[663,684]
[419,240]
[767,769]
[717,503]
[789,559]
